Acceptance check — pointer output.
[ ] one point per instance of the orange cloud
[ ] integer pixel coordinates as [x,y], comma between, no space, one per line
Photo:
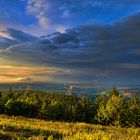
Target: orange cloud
[13,71]
[12,74]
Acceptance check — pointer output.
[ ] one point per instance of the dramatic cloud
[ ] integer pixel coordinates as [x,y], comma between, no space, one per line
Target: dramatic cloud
[20,36]
[12,36]
[90,53]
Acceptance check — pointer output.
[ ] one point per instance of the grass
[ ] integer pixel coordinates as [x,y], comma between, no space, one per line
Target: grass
[19,128]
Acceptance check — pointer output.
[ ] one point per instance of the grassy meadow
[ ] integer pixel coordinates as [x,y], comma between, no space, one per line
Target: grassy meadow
[20,128]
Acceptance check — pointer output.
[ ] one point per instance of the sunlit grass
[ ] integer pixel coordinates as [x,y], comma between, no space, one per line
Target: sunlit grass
[34,129]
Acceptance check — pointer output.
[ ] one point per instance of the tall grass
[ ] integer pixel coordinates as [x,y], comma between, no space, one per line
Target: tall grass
[20,128]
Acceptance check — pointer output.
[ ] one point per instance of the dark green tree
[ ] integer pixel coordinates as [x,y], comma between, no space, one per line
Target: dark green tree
[84,110]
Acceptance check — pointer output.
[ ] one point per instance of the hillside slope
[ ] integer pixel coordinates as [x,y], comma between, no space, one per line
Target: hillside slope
[33,129]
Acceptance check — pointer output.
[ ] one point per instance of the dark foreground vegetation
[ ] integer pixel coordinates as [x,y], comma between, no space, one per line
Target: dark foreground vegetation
[107,109]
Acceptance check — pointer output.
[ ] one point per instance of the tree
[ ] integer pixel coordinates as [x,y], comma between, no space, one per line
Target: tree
[0,94]
[114,91]
[10,94]
[1,107]
[17,108]
[11,107]
[100,101]
[133,113]
[43,111]
[84,110]
[110,111]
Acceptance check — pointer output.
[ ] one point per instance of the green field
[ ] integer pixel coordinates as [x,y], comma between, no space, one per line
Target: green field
[20,128]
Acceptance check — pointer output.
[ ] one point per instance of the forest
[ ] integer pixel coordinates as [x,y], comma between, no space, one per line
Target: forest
[111,109]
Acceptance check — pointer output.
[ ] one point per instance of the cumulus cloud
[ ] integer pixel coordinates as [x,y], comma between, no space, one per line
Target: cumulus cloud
[91,52]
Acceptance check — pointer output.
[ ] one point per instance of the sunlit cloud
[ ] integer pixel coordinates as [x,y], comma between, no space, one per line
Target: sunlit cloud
[22,79]
[5,35]
[11,72]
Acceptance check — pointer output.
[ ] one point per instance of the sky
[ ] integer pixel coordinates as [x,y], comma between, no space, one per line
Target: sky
[79,41]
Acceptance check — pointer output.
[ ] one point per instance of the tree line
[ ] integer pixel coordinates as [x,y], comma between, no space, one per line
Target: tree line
[107,109]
